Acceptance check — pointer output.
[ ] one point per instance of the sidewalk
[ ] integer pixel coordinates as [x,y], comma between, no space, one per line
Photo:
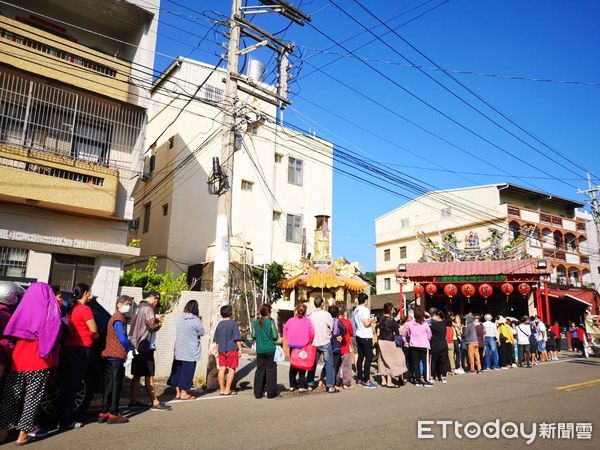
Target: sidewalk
[244,381]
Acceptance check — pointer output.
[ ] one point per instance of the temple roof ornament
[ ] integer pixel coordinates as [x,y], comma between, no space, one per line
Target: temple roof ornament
[450,250]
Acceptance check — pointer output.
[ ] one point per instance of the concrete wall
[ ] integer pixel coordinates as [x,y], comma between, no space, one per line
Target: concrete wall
[165,338]
[17,182]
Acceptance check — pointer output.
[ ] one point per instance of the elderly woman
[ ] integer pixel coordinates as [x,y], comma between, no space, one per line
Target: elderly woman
[35,326]
[391,357]
[187,351]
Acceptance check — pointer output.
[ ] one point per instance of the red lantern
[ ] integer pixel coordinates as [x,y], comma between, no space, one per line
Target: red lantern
[450,290]
[467,290]
[418,289]
[524,289]
[485,290]
[431,289]
[507,288]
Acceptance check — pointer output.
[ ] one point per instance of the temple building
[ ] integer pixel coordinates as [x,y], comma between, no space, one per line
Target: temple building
[497,248]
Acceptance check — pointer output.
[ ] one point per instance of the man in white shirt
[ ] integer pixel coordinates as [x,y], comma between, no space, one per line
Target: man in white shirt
[364,341]
[523,334]
[490,336]
[322,323]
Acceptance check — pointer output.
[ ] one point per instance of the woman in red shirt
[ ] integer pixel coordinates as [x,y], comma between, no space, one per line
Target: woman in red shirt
[76,353]
[35,327]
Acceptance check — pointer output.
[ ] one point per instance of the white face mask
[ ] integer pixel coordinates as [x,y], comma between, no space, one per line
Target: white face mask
[125,309]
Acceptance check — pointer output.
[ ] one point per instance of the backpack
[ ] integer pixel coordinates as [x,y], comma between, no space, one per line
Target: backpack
[338,330]
[533,335]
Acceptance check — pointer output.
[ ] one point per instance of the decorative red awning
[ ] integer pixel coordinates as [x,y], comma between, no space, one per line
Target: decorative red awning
[478,270]
[587,297]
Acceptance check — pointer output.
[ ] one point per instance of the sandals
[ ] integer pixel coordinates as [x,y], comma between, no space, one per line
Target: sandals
[189,397]
[226,394]
[25,442]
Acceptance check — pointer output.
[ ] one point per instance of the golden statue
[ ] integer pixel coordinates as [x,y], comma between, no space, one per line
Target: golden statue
[322,240]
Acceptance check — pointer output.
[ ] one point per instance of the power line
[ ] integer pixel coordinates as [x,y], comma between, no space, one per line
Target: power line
[456,71]
[372,40]
[436,109]
[411,122]
[479,97]
[391,178]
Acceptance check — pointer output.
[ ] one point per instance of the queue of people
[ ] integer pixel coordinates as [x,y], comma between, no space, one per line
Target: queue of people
[43,337]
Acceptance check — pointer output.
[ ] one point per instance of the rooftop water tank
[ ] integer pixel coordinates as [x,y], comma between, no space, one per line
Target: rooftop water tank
[255,71]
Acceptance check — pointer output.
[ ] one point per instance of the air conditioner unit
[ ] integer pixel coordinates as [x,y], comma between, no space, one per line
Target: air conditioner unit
[134,224]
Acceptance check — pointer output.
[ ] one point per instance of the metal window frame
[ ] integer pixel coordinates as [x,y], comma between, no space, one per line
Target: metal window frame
[6,263]
[43,117]
[296,175]
[296,230]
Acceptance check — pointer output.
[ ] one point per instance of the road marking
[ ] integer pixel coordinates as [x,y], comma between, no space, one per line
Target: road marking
[582,385]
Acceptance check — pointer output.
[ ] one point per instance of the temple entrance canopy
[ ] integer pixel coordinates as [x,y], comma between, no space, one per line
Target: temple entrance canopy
[511,287]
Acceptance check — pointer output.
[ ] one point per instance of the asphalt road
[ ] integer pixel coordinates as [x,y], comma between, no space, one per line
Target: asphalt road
[567,391]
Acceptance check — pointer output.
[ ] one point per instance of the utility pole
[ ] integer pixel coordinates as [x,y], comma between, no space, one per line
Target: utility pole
[592,194]
[221,180]
[222,247]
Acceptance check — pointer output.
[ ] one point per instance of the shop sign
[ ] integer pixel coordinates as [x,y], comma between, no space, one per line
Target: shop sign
[467,278]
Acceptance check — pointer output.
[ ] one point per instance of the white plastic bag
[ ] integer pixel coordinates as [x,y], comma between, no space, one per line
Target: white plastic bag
[279,355]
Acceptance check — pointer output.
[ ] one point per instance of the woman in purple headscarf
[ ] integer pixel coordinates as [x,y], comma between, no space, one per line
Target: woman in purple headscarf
[35,327]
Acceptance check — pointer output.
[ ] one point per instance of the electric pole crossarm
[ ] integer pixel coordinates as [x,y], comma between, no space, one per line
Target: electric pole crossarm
[265,34]
[257,38]
[289,11]
[265,91]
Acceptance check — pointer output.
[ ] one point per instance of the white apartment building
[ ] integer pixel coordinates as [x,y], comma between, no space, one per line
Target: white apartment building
[562,234]
[72,130]
[281,178]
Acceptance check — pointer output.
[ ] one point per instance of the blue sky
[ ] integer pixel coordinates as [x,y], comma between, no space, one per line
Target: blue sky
[549,40]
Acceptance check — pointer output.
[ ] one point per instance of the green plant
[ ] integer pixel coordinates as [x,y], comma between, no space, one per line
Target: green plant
[275,274]
[148,279]
[373,279]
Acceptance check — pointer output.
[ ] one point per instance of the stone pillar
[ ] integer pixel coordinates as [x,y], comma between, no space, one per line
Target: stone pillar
[106,281]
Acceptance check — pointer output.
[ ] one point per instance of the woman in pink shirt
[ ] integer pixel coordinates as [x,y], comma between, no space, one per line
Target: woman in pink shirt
[298,332]
[419,334]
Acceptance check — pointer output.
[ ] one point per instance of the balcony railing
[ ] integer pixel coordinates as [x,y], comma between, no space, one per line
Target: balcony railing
[44,118]
[42,53]
[560,255]
[532,216]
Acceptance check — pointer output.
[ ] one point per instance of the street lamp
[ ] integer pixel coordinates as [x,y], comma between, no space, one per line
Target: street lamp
[542,264]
